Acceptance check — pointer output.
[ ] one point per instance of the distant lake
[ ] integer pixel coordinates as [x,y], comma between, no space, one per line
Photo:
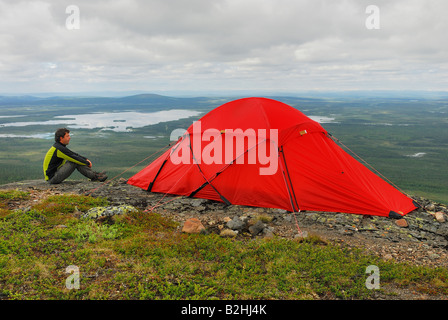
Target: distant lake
[111,121]
[115,121]
[322,119]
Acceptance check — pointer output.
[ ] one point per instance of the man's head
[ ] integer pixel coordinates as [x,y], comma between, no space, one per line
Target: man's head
[62,135]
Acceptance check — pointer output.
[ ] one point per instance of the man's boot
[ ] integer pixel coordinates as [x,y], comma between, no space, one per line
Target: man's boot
[100,176]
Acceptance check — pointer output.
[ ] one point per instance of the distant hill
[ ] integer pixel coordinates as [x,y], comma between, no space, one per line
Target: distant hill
[137,102]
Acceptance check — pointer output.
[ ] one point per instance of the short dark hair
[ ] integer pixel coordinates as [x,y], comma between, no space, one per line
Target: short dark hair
[60,133]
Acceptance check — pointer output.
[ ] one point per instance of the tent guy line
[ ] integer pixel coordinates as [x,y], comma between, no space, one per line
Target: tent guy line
[368,164]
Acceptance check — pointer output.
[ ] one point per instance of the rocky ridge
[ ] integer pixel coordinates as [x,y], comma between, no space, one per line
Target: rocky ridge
[420,238]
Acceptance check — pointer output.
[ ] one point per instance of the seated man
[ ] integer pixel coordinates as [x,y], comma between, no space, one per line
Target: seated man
[60,162]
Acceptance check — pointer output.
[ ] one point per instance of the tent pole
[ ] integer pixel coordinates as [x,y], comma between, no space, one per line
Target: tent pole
[152,182]
[227,202]
[286,182]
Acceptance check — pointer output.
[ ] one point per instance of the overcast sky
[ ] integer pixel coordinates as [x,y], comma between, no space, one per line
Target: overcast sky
[217,45]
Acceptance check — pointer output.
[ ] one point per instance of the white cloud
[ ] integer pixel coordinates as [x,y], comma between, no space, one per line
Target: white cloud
[222,44]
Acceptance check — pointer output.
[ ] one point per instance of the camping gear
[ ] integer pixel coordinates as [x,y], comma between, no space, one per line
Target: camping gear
[264,153]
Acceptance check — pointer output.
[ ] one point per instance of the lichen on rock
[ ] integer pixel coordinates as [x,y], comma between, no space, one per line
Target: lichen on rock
[97,212]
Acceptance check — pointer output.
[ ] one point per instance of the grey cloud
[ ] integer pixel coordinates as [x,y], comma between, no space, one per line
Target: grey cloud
[276,44]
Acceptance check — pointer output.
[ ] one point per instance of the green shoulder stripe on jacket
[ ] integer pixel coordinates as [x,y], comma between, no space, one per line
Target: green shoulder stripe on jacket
[62,155]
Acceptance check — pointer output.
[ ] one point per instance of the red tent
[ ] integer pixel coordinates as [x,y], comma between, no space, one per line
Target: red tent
[264,153]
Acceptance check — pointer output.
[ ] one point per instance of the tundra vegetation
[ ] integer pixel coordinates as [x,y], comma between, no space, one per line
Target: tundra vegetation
[142,255]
